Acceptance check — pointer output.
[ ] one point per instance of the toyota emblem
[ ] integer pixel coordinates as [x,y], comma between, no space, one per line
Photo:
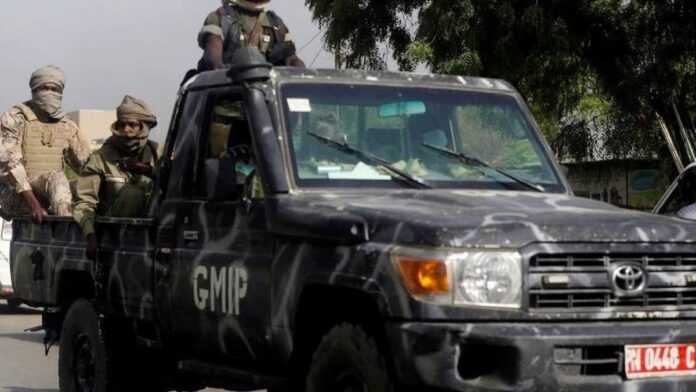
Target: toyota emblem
[628,279]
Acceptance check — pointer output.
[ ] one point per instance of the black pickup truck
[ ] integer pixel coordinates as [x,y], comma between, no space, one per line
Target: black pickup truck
[364,231]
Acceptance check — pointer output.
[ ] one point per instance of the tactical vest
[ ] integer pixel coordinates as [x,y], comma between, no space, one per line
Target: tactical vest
[43,144]
[235,37]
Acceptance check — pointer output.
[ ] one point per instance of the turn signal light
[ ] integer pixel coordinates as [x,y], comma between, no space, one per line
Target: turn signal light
[424,276]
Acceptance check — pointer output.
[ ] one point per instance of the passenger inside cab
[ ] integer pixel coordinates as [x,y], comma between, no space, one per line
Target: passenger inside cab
[229,140]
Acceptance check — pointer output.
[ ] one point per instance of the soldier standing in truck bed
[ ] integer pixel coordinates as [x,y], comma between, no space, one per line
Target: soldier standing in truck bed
[245,23]
[36,140]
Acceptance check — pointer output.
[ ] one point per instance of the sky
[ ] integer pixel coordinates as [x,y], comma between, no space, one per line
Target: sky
[112,48]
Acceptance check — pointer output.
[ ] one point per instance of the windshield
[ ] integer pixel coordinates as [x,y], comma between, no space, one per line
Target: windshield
[400,126]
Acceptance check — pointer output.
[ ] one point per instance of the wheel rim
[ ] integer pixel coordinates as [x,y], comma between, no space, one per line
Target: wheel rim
[84,364]
[350,382]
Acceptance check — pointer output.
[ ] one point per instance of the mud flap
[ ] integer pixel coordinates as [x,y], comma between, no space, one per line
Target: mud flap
[52,324]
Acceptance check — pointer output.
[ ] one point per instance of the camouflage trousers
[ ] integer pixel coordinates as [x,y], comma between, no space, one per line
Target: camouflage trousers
[51,189]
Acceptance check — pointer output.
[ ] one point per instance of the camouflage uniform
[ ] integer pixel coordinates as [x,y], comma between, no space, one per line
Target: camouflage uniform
[104,188]
[239,27]
[33,155]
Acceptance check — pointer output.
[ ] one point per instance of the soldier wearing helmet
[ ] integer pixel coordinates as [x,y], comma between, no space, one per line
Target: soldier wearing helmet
[117,179]
[245,23]
[36,142]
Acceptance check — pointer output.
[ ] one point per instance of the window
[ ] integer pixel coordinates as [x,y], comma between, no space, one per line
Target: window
[410,128]
[226,162]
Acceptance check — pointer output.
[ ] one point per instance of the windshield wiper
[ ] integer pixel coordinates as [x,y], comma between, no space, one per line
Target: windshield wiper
[372,160]
[471,161]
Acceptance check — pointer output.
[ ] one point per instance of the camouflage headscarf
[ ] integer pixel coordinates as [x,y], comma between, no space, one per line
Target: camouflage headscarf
[48,102]
[135,109]
[48,74]
[132,109]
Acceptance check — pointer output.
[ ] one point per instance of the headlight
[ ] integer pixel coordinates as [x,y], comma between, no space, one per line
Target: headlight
[490,279]
[472,278]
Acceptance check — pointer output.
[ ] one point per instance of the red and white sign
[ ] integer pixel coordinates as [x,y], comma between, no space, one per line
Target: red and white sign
[657,360]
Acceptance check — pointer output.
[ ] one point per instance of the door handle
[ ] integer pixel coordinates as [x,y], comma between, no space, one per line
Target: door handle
[164,252]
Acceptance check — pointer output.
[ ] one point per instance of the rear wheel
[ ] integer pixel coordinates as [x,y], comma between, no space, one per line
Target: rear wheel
[88,360]
[347,360]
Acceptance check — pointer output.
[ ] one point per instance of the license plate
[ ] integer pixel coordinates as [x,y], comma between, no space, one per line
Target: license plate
[659,360]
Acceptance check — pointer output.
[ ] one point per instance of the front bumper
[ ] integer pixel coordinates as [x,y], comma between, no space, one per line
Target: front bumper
[539,357]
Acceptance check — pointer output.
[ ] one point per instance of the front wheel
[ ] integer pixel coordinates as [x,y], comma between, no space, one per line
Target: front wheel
[347,360]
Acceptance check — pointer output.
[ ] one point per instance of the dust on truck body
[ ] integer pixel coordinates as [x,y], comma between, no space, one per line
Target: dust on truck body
[413,233]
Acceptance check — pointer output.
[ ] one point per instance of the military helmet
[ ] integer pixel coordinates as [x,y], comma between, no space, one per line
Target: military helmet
[251,5]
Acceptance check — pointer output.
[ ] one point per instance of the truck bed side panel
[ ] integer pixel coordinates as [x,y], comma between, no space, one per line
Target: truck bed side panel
[42,255]
[39,253]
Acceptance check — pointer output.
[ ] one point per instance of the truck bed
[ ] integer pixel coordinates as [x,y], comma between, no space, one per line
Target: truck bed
[43,255]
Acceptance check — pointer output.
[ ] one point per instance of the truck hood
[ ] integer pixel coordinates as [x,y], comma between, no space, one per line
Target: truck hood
[459,218]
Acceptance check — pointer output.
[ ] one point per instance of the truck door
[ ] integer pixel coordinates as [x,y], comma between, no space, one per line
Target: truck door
[215,253]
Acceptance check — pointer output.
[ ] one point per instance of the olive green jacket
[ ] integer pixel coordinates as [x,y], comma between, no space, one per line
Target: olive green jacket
[103,188]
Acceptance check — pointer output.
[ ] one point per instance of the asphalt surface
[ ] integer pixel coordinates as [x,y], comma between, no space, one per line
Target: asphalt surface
[23,365]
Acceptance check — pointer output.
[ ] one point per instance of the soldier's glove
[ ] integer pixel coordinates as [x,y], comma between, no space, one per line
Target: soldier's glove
[135,166]
[92,247]
[38,213]
[294,61]
[281,52]
[212,54]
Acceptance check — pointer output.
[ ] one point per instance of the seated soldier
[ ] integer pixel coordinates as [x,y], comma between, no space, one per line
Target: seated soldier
[36,137]
[117,179]
[228,136]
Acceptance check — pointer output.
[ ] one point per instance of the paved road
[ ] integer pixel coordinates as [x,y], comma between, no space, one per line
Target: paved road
[23,367]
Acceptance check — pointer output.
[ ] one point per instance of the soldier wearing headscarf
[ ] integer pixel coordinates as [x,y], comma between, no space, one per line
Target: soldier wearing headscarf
[245,23]
[36,140]
[117,179]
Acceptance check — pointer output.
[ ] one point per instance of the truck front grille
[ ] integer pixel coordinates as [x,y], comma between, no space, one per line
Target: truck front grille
[585,282]
[589,360]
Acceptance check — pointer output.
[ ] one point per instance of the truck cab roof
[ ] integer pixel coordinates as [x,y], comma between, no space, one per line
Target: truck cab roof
[290,74]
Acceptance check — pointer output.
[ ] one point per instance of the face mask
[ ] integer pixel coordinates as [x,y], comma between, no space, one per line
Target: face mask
[50,102]
[129,146]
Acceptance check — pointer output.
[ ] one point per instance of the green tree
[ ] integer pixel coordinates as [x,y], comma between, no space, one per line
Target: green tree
[635,56]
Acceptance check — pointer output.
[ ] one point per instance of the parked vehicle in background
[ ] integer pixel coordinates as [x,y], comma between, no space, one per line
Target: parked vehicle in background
[6,291]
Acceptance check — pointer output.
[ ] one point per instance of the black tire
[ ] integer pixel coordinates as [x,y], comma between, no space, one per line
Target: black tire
[348,360]
[86,361]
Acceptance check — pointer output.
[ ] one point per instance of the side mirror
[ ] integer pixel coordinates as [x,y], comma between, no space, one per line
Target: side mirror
[221,180]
